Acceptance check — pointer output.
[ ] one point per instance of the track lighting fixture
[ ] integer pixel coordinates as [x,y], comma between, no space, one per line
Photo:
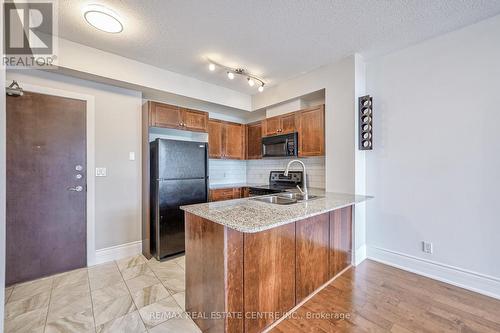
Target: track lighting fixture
[252,80]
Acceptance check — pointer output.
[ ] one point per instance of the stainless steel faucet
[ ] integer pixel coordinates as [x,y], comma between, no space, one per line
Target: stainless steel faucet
[302,191]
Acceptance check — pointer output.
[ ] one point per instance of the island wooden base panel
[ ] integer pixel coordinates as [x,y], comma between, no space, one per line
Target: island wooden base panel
[304,301]
[381,298]
[248,278]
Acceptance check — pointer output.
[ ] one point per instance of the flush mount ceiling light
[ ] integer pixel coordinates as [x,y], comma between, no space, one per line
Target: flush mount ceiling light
[231,73]
[102,18]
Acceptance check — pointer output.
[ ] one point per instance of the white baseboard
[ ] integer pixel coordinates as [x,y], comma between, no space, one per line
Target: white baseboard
[118,252]
[359,255]
[477,282]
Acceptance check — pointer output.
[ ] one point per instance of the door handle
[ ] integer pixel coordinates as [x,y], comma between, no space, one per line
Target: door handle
[75,188]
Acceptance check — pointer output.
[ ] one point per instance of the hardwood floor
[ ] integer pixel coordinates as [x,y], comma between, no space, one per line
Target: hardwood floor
[373,297]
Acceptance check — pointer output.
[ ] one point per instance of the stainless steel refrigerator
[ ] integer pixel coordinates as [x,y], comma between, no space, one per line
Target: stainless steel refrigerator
[179,176]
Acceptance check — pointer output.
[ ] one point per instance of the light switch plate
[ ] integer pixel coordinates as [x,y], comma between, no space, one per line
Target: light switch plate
[131,156]
[100,172]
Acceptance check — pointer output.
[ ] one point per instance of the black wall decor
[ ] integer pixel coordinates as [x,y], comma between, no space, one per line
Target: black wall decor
[365,107]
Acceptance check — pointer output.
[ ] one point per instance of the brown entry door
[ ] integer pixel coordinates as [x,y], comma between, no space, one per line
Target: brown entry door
[46,186]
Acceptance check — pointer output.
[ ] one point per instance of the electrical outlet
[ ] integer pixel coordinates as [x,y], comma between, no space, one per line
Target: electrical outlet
[427,247]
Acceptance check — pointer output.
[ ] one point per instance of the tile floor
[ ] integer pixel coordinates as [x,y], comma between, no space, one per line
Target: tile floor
[130,295]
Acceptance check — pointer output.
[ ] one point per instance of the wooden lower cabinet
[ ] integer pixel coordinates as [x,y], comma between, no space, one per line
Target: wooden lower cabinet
[205,245]
[340,240]
[221,194]
[247,275]
[269,275]
[228,193]
[312,252]
[245,192]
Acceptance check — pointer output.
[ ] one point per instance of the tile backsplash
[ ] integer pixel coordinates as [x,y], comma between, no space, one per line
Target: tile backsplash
[227,171]
[257,171]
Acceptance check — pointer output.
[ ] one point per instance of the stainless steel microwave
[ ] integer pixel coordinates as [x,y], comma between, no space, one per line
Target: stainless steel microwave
[280,145]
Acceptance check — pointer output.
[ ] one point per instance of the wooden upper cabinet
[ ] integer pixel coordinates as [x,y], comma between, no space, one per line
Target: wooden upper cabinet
[195,120]
[171,116]
[164,115]
[283,124]
[215,138]
[234,141]
[288,123]
[226,140]
[311,129]
[271,126]
[254,140]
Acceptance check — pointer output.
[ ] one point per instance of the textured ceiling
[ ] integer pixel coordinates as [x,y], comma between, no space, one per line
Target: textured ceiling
[276,39]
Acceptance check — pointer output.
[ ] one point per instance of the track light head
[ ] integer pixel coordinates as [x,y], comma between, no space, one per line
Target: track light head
[232,72]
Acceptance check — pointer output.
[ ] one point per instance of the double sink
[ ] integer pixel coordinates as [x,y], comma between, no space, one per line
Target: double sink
[285,198]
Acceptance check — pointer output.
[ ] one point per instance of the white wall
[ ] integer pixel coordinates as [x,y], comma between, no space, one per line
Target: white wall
[285,107]
[359,166]
[117,132]
[2,180]
[436,158]
[339,81]
[78,59]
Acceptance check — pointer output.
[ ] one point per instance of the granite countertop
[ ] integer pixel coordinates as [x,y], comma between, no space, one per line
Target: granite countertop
[232,185]
[249,216]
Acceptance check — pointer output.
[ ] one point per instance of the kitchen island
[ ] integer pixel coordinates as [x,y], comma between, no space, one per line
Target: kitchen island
[249,262]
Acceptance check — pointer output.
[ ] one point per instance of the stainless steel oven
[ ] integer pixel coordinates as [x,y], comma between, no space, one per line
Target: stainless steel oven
[280,145]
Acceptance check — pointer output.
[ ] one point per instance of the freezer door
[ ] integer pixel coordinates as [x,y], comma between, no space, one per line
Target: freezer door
[172,194]
[182,159]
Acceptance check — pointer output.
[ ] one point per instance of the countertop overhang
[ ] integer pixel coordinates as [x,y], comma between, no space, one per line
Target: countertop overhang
[250,216]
